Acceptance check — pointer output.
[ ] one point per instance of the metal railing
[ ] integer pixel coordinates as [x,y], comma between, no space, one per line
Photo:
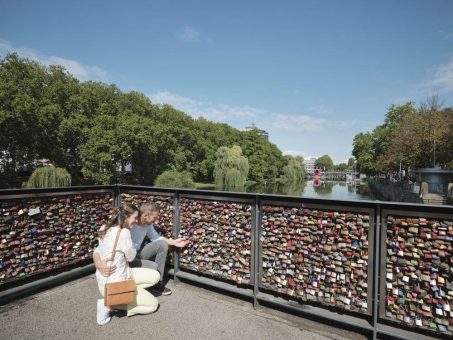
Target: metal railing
[344,261]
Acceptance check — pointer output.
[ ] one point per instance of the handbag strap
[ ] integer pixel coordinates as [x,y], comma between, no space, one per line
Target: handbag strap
[114,245]
[113,253]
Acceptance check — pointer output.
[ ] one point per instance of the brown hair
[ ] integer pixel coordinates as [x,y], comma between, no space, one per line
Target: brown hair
[147,208]
[119,216]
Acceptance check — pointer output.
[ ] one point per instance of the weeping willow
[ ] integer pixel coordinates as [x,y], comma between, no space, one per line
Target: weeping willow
[48,177]
[231,169]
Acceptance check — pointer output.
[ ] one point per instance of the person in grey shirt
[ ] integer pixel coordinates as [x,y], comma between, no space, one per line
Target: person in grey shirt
[157,249]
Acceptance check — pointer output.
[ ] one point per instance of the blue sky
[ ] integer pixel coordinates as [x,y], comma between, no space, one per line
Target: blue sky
[311,73]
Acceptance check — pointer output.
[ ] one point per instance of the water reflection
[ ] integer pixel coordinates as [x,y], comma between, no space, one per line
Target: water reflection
[291,189]
[339,190]
[323,188]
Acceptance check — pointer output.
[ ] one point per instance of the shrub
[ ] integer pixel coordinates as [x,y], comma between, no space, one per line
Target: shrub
[48,177]
[175,179]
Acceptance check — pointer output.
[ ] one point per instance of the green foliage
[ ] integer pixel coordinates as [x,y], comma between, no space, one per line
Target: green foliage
[95,130]
[175,179]
[410,136]
[341,167]
[293,173]
[325,163]
[231,169]
[265,159]
[48,177]
[364,152]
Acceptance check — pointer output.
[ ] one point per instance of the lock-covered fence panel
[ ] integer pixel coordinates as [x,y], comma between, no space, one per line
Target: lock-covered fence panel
[319,254]
[417,270]
[220,234]
[43,232]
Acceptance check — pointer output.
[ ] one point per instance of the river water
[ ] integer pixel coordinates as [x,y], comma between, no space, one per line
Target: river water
[338,190]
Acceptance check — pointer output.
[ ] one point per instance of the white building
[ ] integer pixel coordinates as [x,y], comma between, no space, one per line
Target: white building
[263,133]
[309,165]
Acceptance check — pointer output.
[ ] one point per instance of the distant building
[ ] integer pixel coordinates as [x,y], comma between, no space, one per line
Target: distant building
[309,165]
[263,133]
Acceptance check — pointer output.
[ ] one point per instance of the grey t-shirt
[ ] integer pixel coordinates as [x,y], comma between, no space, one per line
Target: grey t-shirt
[138,233]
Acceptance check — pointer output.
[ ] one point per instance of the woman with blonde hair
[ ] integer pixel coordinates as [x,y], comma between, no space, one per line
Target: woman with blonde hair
[118,269]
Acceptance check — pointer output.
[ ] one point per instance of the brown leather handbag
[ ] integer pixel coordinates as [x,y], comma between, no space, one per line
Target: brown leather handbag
[121,292]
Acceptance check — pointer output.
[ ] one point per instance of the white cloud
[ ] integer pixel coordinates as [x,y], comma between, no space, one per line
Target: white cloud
[189,34]
[80,71]
[320,109]
[208,110]
[442,80]
[269,121]
[297,122]
[295,153]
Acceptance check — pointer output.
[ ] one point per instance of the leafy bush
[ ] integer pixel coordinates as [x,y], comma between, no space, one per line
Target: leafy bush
[48,177]
[175,179]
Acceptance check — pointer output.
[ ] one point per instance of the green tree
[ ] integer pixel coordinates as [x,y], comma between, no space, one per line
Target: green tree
[231,169]
[48,177]
[293,173]
[421,139]
[265,159]
[364,152]
[324,162]
[341,167]
[175,179]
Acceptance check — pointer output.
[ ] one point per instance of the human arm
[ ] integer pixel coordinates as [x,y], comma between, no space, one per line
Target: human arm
[101,266]
[126,245]
[178,242]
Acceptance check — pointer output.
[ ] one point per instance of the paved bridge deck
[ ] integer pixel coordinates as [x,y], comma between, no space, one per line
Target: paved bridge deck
[69,312]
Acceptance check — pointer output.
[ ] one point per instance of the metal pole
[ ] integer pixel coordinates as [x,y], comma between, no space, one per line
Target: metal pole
[256,253]
[116,196]
[376,266]
[434,152]
[176,229]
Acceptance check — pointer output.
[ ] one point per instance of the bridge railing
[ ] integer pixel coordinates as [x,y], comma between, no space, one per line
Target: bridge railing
[383,267]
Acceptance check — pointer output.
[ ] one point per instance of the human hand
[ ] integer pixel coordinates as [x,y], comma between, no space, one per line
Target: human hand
[180,242]
[107,270]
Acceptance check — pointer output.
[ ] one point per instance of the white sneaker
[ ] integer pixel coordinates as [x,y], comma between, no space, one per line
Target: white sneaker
[103,313]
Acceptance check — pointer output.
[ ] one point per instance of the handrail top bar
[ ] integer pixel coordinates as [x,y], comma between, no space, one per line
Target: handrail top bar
[274,197]
[56,189]
[6,193]
[61,191]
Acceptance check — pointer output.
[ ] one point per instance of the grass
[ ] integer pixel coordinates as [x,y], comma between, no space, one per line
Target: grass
[204,186]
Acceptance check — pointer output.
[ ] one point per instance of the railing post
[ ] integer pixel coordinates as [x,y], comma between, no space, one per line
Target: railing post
[116,196]
[256,253]
[376,268]
[176,229]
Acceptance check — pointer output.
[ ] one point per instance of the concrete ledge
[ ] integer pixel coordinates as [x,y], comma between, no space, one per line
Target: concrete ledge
[38,285]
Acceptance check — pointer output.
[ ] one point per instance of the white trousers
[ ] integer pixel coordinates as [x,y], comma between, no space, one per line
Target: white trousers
[145,302]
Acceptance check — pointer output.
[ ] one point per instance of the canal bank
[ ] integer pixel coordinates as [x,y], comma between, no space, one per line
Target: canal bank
[393,192]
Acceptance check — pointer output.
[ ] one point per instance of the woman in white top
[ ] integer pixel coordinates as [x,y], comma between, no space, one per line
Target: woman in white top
[123,218]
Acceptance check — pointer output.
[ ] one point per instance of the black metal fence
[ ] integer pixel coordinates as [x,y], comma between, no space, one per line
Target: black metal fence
[383,267]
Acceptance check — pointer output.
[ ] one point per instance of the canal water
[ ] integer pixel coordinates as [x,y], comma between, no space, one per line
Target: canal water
[338,190]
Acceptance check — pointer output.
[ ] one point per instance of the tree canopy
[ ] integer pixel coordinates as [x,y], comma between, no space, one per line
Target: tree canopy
[324,163]
[231,168]
[416,137]
[95,131]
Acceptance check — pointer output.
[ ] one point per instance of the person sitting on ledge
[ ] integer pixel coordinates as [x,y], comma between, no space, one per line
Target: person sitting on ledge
[118,269]
[157,249]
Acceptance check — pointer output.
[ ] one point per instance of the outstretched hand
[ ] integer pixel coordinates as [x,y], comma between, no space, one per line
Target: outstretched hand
[180,242]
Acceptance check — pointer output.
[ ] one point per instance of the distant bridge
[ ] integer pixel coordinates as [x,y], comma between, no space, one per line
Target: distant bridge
[337,175]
